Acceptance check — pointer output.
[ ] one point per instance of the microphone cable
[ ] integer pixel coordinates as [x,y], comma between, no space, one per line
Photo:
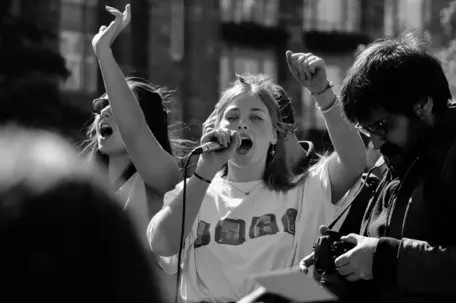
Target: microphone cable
[181,238]
[196,151]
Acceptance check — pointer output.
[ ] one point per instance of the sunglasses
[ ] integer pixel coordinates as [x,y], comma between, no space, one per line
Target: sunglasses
[99,104]
[379,128]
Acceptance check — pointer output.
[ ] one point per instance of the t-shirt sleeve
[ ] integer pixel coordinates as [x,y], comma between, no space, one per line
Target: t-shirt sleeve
[318,187]
[318,179]
[169,264]
[315,209]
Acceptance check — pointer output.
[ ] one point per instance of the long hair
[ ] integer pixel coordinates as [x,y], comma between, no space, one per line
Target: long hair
[152,100]
[277,175]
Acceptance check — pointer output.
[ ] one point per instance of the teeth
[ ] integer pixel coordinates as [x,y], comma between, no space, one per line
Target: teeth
[245,137]
[105,130]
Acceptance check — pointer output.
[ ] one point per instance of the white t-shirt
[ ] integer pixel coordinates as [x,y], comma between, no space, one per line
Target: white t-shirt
[236,236]
[134,198]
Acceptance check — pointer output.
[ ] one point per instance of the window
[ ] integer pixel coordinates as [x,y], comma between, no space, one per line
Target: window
[80,61]
[311,117]
[15,7]
[389,17]
[329,15]
[353,17]
[245,61]
[264,12]
[332,15]
[78,17]
[82,2]
[409,14]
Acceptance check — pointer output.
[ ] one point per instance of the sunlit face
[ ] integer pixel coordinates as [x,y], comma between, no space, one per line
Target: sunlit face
[397,136]
[107,133]
[249,116]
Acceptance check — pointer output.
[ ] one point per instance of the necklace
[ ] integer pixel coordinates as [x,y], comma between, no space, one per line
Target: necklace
[246,193]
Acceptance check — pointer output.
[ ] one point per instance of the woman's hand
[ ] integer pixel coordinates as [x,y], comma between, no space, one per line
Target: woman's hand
[103,40]
[309,70]
[209,124]
[212,162]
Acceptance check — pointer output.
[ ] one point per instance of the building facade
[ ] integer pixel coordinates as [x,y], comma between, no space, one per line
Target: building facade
[195,47]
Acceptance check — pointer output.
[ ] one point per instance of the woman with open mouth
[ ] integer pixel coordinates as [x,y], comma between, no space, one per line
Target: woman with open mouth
[129,133]
[246,211]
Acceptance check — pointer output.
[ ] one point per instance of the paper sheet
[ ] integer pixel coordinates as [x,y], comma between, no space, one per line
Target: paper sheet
[293,284]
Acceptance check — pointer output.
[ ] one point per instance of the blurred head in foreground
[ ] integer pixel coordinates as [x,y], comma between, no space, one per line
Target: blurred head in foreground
[64,238]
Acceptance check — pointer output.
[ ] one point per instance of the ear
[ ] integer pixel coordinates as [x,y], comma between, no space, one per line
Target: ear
[424,107]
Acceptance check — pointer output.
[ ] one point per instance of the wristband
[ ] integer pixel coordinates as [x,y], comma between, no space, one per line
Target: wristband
[329,85]
[326,110]
[202,178]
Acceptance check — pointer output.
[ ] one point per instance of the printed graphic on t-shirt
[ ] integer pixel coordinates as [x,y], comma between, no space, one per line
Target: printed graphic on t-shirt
[262,226]
[288,220]
[230,231]
[203,236]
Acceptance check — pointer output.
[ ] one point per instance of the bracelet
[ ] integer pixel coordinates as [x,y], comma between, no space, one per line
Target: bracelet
[202,178]
[329,85]
[326,110]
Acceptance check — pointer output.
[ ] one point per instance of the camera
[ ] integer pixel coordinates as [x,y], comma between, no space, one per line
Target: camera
[327,249]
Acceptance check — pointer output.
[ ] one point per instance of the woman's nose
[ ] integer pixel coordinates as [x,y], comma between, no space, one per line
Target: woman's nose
[242,126]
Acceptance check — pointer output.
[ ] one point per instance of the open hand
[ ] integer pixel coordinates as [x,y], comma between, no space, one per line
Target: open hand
[103,40]
[356,263]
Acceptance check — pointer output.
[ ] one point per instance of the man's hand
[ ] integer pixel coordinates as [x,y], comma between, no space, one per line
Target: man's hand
[103,40]
[305,263]
[356,264]
[308,69]
[309,260]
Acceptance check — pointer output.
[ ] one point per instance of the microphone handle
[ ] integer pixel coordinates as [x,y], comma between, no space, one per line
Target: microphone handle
[211,146]
[207,147]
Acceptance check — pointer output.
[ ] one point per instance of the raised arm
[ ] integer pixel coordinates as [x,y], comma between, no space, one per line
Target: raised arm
[348,163]
[148,156]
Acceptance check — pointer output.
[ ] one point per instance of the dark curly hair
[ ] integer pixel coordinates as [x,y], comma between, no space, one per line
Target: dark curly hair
[394,74]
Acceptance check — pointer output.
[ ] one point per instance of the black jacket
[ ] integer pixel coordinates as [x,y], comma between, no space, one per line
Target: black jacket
[415,259]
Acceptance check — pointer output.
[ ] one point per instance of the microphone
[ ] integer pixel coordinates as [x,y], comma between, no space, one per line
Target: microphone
[207,147]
